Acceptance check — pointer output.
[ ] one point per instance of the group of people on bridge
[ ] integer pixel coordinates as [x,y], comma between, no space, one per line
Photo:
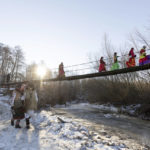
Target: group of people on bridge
[143,59]
[23,104]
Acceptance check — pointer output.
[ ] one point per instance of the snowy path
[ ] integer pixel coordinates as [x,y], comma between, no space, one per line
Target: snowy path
[48,133]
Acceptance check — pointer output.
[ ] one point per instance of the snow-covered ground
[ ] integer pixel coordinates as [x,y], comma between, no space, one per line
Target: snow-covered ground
[53,132]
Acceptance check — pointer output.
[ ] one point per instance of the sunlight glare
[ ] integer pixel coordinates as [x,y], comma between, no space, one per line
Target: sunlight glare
[41,71]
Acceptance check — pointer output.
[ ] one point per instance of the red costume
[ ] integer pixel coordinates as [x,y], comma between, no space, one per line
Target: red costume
[142,51]
[131,62]
[61,70]
[102,65]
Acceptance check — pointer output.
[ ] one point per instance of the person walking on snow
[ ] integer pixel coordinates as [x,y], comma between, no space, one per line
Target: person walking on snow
[31,101]
[102,65]
[17,106]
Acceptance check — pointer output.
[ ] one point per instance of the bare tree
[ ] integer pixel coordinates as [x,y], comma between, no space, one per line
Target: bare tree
[11,62]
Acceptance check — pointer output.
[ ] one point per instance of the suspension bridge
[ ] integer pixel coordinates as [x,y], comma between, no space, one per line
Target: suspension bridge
[87,75]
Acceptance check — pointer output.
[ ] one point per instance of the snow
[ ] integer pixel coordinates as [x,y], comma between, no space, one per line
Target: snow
[130,109]
[107,115]
[48,132]
[87,105]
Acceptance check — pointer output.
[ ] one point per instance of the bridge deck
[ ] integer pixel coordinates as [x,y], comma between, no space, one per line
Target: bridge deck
[92,75]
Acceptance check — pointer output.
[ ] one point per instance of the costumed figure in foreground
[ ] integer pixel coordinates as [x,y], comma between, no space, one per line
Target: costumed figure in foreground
[131,62]
[61,71]
[102,65]
[31,101]
[144,59]
[17,106]
[115,64]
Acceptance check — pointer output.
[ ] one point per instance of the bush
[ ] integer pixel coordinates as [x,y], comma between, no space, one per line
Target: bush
[99,91]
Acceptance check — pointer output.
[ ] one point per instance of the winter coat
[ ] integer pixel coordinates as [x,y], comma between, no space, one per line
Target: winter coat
[31,100]
[17,105]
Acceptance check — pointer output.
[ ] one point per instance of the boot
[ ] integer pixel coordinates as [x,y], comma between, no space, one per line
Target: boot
[12,122]
[17,124]
[27,123]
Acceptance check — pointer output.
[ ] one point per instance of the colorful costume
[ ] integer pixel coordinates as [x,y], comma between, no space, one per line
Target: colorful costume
[115,64]
[102,65]
[131,62]
[144,59]
[18,105]
[61,71]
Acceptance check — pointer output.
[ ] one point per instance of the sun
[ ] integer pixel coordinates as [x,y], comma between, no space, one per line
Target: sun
[41,71]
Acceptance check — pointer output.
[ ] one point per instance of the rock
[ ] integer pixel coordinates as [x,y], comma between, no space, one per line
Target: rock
[108,136]
[103,133]
[111,144]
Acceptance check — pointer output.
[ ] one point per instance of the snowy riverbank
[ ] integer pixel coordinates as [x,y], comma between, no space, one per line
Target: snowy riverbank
[48,131]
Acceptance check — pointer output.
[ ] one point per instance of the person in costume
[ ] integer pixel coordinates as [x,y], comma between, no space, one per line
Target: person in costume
[31,101]
[102,65]
[61,71]
[17,106]
[115,64]
[131,62]
[144,59]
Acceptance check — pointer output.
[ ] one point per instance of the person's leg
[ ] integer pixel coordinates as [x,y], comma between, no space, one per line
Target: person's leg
[12,116]
[27,116]
[28,123]
[31,114]
[17,124]
[12,121]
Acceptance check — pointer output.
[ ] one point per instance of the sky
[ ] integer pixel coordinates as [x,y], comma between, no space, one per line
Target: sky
[68,30]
